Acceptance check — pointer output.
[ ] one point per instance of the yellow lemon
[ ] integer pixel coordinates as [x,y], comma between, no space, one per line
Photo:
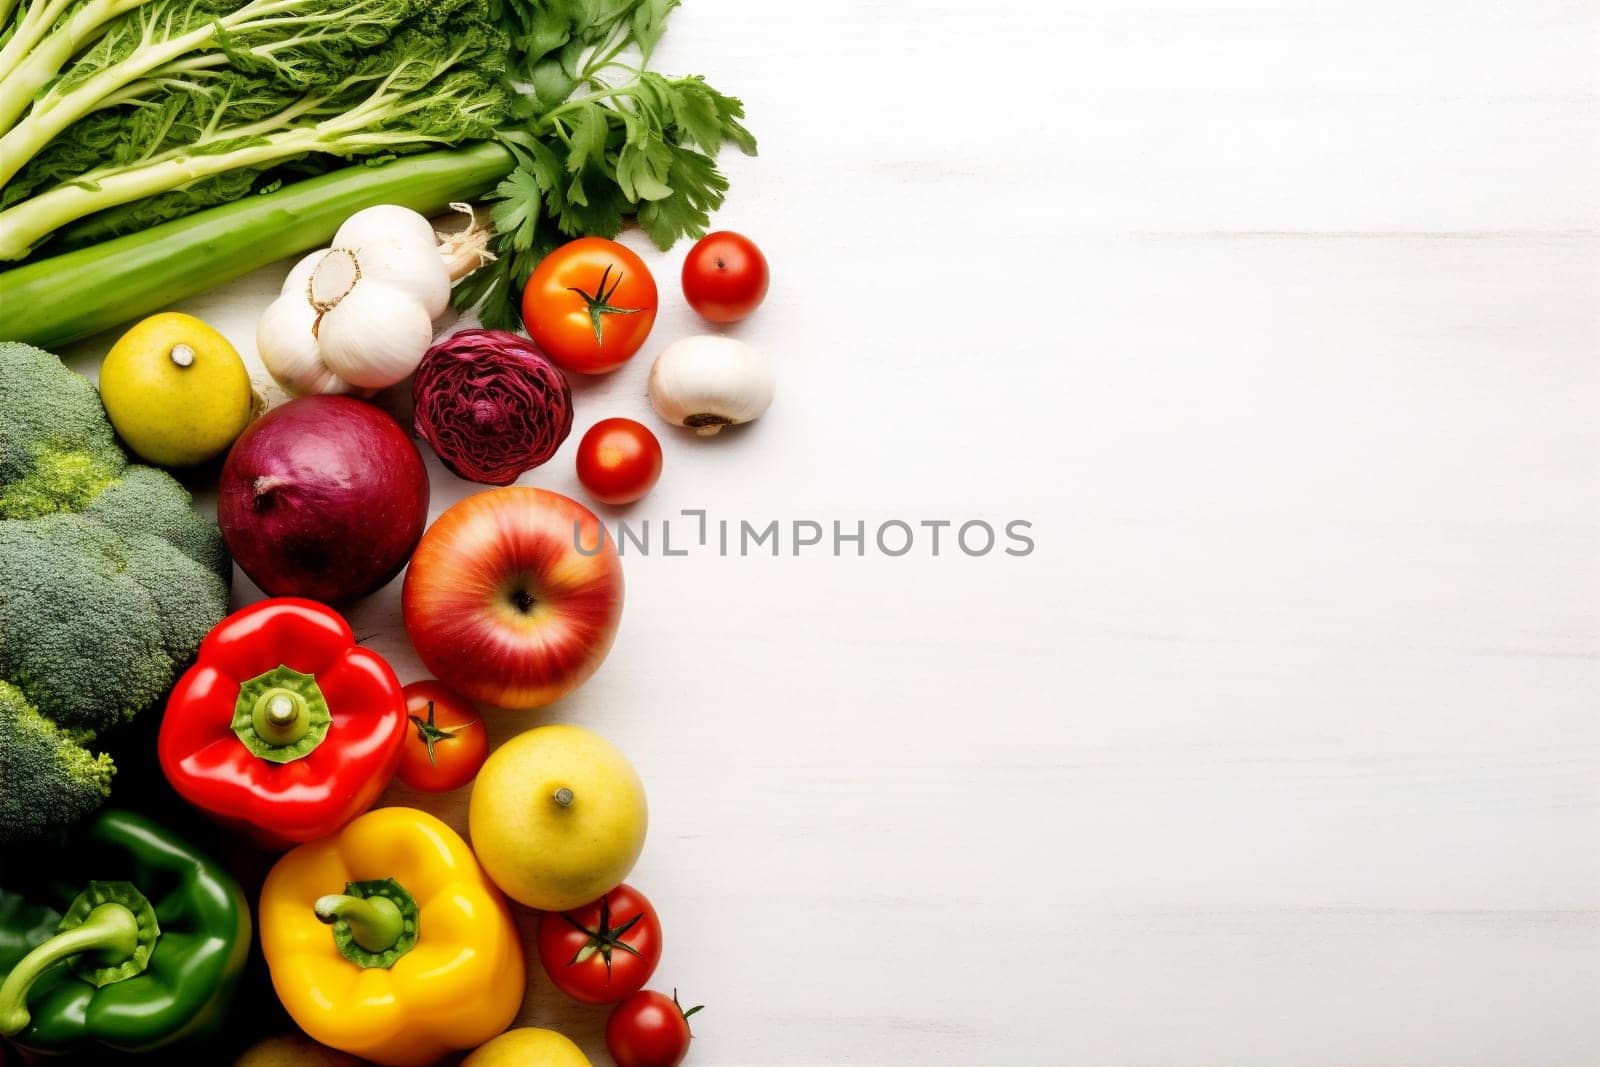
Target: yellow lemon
[176,390]
[557,817]
[528,1047]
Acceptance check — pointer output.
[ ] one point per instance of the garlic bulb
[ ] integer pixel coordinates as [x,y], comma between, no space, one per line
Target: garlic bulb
[358,316]
[707,382]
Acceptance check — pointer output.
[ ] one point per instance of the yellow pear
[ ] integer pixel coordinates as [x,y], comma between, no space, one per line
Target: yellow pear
[293,1050]
[557,817]
[528,1047]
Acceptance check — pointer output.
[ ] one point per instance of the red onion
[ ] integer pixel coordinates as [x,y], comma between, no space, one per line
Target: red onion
[491,405]
[323,497]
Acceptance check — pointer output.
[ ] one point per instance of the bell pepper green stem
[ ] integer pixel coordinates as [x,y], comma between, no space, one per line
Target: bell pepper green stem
[280,717]
[192,942]
[375,922]
[110,929]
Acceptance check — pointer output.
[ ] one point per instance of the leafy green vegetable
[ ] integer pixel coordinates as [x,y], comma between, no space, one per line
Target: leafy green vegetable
[108,581]
[618,141]
[169,106]
[427,84]
[159,40]
[43,37]
[181,104]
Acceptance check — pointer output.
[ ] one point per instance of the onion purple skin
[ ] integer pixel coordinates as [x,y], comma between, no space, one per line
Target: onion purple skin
[491,405]
[325,497]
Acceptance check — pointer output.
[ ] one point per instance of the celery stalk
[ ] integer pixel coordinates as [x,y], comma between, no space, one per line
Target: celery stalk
[67,297]
[28,223]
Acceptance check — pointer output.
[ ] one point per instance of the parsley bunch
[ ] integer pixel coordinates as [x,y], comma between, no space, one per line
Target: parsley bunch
[598,138]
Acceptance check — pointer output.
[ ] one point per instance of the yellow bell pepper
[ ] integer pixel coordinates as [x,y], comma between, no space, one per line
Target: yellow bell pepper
[389,942]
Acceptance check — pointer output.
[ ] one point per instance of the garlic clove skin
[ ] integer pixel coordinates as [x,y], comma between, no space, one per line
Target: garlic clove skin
[378,290]
[385,222]
[289,349]
[415,269]
[376,335]
[299,279]
[708,382]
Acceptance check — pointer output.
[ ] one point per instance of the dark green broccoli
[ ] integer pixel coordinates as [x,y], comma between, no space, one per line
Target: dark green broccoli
[108,581]
[57,448]
[50,779]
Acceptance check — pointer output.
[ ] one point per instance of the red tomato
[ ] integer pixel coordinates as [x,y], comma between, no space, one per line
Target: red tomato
[649,1029]
[589,305]
[725,276]
[619,461]
[603,951]
[447,742]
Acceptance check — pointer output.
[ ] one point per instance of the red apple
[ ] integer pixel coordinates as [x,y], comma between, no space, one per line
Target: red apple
[508,600]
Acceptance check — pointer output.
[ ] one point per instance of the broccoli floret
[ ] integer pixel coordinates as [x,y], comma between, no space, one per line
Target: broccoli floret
[147,501]
[59,481]
[57,448]
[109,580]
[50,779]
[103,620]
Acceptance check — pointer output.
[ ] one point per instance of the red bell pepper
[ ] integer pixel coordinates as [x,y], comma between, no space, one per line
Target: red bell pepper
[284,727]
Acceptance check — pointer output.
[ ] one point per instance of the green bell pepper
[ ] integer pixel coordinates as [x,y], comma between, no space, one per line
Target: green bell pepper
[129,938]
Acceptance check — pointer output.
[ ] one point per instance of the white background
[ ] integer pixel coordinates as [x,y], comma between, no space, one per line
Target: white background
[1278,320]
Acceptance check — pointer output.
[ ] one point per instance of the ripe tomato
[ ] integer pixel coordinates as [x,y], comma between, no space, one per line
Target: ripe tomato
[725,276]
[649,1029]
[619,461]
[589,305]
[447,742]
[603,951]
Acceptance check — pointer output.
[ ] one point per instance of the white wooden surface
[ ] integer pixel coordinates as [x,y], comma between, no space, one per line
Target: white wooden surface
[1279,321]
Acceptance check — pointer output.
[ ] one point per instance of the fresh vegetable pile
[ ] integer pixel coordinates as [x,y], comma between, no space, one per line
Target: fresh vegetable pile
[119,116]
[154,147]
[108,581]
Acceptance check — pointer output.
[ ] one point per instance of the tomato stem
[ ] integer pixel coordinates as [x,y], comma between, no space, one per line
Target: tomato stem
[430,733]
[600,303]
[604,938]
[682,1011]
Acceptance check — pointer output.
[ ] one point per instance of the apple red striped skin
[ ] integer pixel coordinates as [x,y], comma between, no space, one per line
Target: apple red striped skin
[501,603]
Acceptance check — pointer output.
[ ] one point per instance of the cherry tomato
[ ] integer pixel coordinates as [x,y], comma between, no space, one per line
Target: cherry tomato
[619,461]
[603,951]
[447,742]
[725,276]
[589,305]
[649,1029]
